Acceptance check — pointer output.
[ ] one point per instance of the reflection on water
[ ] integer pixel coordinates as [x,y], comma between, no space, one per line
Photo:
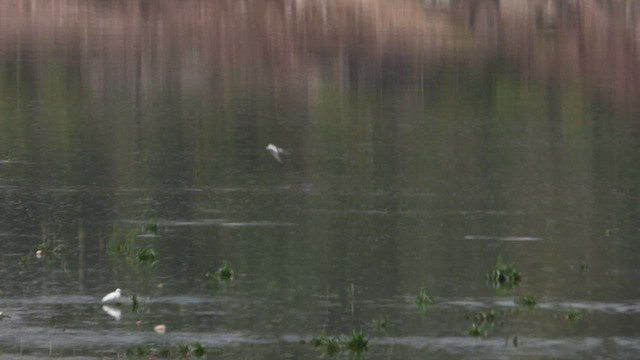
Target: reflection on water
[425,139]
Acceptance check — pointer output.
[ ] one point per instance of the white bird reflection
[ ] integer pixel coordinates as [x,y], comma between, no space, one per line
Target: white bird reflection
[114,311]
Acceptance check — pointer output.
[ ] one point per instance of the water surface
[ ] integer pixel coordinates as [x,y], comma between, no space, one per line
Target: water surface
[426,140]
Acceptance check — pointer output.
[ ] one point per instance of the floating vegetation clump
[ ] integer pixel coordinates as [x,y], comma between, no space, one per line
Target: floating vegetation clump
[483,319]
[221,277]
[135,304]
[184,350]
[423,299]
[503,276]
[355,344]
[573,315]
[528,302]
[123,244]
[48,249]
[486,317]
[198,350]
[328,345]
[475,330]
[180,351]
[187,350]
[381,324]
[147,256]
[141,350]
[151,227]
[225,273]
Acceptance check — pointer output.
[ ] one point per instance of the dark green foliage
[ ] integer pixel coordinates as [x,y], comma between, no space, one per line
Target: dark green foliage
[503,276]
[221,277]
[528,302]
[147,256]
[135,305]
[198,350]
[225,273]
[328,345]
[180,351]
[152,227]
[184,350]
[139,350]
[475,330]
[357,343]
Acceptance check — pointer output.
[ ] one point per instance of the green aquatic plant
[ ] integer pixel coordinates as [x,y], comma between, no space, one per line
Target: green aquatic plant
[573,315]
[47,249]
[151,227]
[147,256]
[135,304]
[164,352]
[503,276]
[381,324]
[423,299]
[475,330]
[221,277]
[225,273]
[328,345]
[184,350]
[198,350]
[486,317]
[356,343]
[139,350]
[527,301]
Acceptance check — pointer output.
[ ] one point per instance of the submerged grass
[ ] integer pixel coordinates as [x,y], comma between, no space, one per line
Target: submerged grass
[486,317]
[179,351]
[423,299]
[328,345]
[528,301]
[573,315]
[355,344]
[381,324]
[123,244]
[475,330]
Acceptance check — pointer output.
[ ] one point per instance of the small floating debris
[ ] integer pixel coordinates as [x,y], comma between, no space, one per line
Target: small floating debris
[160,328]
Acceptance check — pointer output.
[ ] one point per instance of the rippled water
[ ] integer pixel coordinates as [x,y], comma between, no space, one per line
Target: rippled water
[425,140]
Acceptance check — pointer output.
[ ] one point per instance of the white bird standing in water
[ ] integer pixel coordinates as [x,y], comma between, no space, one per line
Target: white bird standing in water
[276,152]
[112,297]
